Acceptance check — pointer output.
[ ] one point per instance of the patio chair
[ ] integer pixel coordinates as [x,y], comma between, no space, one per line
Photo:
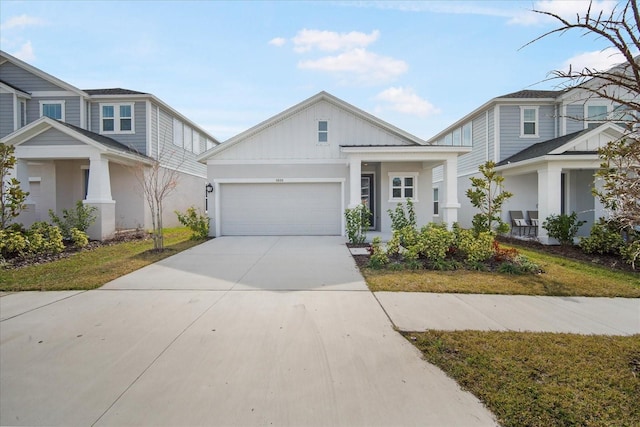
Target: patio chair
[518,221]
[533,222]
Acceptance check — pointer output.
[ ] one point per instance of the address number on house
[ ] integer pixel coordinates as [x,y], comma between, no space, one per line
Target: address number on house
[280,180]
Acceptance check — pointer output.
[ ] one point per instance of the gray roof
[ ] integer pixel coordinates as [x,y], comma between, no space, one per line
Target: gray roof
[533,94]
[543,148]
[104,140]
[113,91]
[14,87]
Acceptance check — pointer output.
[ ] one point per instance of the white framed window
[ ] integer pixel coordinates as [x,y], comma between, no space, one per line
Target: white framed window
[528,122]
[436,202]
[116,118]
[403,186]
[178,133]
[595,115]
[623,116]
[323,131]
[23,113]
[197,143]
[457,137]
[188,138]
[53,109]
[467,138]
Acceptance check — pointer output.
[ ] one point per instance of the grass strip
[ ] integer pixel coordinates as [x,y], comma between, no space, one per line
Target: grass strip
[93,268]
[542,379]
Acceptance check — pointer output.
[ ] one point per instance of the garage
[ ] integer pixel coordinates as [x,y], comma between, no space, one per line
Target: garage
[286,208]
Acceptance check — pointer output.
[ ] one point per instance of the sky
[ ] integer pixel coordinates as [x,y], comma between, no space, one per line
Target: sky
[419,65]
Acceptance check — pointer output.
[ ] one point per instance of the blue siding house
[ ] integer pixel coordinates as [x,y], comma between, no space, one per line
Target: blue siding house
[90,145]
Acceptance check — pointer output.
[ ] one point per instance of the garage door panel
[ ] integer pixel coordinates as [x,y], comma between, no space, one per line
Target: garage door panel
[280,209]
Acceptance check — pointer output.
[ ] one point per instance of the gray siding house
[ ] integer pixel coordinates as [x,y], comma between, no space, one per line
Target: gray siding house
[545,145]
[89,145]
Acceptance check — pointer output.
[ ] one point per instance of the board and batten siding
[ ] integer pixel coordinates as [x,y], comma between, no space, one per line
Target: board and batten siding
[6,114]
[296,137]
[510,140]
[25,80]
[137,140]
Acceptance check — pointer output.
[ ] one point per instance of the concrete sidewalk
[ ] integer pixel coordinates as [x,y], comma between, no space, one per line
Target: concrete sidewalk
[412,311]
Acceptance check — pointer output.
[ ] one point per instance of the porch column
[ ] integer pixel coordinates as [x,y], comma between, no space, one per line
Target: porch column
[21,172]
[450,205]
[549,194]
[99,196]
[355,182]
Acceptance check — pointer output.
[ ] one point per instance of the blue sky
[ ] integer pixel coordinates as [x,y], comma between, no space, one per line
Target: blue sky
[231,65]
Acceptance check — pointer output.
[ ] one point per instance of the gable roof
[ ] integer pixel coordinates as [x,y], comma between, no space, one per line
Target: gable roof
[101,142]
[559,146]
[114,91]
[15,88]
[533,94]
[30,68]
[320,96]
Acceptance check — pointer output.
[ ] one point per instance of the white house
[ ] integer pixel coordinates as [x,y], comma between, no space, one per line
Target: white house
[298,171]
[74,144]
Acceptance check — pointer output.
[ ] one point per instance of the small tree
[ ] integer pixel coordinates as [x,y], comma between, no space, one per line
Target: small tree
[12,197]
[487,194]
[357,222]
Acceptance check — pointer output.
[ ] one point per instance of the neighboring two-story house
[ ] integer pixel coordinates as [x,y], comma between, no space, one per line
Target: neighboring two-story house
[90,145]
[545,145]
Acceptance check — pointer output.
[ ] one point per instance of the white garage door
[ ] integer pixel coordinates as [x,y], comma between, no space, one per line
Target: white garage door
[307,209]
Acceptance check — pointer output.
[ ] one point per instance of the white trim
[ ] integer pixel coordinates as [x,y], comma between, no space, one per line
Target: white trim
[536,121]
[277,161]
[496,133]
[46,93]
[402,176]
[219,181]
[596,103]
[35,179]
[62,103]
[147,108]
[486,136]
[318,142]
[116,118]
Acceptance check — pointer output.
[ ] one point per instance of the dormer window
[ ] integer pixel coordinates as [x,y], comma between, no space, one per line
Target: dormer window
[323,131]
[52,109]
[116,118]
[529,122]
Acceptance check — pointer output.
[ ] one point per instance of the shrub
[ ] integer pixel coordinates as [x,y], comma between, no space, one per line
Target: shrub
[502,254]
[81,218]
[563,227]
[196,221]
[631,253]
[400,218]
[44,238]
[433,242]
[12,243]
[79,238]
[520,265]
[378,257]
[605,238]
[475,249]
[357,223]
[393,245]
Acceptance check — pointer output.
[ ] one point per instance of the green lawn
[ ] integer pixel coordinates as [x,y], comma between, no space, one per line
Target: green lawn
[543,379]
[562,277]
[91,269]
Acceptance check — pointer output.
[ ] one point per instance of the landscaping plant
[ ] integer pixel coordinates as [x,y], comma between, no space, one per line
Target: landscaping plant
[81,218]
[357,223]
[12,197]
[196,221]
[605,238]
[487,194]
[563,227]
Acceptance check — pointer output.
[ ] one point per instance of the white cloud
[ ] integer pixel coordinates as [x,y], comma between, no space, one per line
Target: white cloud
[600,60]
[405,100]
[330,41]
[25,53]
[567,9]
[20,22]
[278,41]
[368,67]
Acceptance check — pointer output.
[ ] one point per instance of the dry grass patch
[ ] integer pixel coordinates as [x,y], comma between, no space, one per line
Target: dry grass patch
[562,277]
[93,268]
[543,379]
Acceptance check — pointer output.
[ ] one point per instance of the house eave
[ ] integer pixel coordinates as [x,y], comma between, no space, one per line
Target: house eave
[405,149]
[549,158]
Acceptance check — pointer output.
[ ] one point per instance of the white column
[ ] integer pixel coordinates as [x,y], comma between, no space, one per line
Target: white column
[449,204]
[549,194]
[99,195]
[355,182]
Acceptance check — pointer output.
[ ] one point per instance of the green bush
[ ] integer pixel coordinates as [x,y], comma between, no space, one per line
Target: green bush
[605,238]
[393,245]
[44,238]
[631,253]
[433,242]
[476,249]
[379,257]
[81,218]
[79,238]
[12,243]
[400,218]
[196,221]
[357,223]
[563,227]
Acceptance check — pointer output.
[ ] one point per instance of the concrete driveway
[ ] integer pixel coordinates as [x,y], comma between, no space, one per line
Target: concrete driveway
[237,331]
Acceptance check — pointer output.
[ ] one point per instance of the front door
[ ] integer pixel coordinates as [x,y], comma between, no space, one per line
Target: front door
[367,194]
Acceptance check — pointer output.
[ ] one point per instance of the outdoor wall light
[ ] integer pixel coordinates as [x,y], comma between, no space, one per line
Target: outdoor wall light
[209,188]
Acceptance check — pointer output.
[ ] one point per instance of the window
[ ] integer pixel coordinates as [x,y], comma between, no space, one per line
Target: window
[23,113]
[116,118]
[178,134]
[596,115]
[529,122]
[53,109]
[457,137]
[466,135]
[323,131]
[436,202]
[623,116]
[188,138]
[403,186]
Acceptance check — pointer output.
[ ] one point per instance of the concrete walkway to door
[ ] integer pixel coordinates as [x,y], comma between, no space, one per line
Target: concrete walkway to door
[237,331]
